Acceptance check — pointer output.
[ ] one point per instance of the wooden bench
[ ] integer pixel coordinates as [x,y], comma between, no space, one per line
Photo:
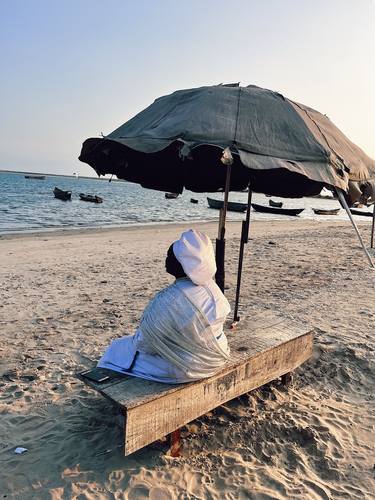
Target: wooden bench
[262,349]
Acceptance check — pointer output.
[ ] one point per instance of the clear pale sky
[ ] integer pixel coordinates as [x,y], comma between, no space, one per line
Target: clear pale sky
[71,69]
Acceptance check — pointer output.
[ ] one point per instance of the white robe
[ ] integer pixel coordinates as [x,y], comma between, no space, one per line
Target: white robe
[180,337]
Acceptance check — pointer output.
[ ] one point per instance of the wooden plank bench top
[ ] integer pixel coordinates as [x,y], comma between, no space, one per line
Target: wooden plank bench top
[262,349]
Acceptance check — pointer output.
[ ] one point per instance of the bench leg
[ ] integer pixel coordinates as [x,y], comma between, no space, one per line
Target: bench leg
[175,443]
[287,379]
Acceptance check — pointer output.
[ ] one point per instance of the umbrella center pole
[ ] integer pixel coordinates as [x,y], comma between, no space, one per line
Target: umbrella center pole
[373,227]
[244,240]
[227,160]
[345,205]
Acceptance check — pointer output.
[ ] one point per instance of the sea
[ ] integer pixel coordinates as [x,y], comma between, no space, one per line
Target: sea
[28,205]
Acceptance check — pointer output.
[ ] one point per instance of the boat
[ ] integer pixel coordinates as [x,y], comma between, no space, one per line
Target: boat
[193,200]
[274,210]
[277,204]
[62,195]
[233,206]
[325,194]
[36,177]
[365,213]
[91,198]
[321,211]
[171,196]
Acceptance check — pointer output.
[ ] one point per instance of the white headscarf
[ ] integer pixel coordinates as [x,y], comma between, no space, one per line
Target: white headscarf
[195,253]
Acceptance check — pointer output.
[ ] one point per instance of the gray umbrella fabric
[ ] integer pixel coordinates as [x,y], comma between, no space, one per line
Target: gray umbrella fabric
[279,146]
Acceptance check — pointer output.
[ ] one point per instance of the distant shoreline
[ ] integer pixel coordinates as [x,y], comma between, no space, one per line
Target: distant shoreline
[61,175]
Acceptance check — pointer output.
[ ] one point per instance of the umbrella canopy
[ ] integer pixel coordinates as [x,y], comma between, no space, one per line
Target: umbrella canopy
[281,147]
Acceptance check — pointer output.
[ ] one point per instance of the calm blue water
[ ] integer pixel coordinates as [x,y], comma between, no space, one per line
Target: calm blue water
[29,205]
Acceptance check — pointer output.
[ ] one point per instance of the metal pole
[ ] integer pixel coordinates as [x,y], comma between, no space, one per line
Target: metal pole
[345,205]
[223,211]
[244,240]
[373,227]
[227,159]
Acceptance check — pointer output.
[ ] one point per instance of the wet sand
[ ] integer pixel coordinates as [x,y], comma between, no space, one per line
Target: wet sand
[65,295]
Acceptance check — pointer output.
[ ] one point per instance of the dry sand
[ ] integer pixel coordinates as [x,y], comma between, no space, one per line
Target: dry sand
[65,296]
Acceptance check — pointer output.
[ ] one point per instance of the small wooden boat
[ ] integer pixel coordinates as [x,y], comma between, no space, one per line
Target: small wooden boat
[193,200]
[171,196]
[36,177]
[321,211]
[62,195]
[233,206]
[90,198]
[365,213]
[277,204]
[274,210]
[325,194]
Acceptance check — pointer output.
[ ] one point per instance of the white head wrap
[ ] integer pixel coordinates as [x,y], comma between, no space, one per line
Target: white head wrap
[195,253]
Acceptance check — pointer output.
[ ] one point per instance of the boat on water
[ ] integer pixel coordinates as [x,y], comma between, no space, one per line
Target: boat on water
[274,210]
[36,177]
[365,213]
[171,196]
[277,204]
[193,200]
[321,211]
[326,194]
[233,206]
[62,195]
[91,198]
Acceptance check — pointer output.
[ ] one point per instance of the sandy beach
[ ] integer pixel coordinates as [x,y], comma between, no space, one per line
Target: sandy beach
[65,295]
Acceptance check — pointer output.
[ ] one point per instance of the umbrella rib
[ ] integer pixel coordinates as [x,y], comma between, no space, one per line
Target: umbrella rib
[237,115]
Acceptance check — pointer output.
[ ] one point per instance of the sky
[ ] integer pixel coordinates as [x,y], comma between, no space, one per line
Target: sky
[73,69]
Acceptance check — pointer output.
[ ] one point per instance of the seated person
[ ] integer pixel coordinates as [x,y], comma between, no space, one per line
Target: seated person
[360,193]
[180,337]
[368,192]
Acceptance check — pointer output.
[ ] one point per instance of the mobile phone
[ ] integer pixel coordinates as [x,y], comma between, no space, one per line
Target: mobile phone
[97,375]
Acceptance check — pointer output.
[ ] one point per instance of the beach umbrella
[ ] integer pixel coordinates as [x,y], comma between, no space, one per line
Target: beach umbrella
[229,138]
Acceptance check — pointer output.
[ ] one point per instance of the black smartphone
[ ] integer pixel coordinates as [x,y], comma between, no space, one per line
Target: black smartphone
[97,375]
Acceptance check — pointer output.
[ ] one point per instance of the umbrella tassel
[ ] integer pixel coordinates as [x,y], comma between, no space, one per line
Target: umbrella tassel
[345,205]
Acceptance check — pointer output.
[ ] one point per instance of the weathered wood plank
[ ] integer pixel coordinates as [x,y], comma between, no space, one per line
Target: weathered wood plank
[157,417]
[263,349]
[250,338]
[254,337]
